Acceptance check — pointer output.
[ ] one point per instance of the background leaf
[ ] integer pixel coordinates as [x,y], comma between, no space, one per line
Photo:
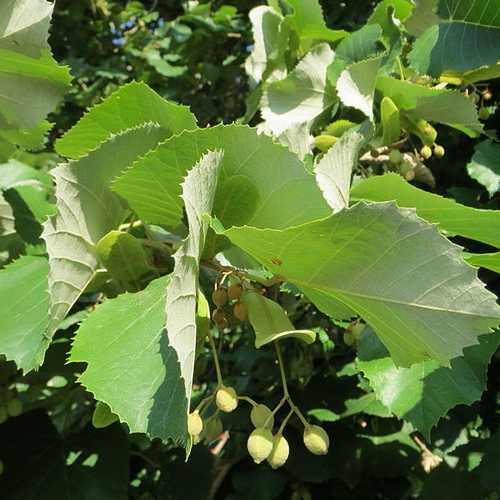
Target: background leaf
[24,306]
[425,392]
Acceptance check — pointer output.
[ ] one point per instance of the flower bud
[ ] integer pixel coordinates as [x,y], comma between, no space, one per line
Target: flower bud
[316,440]
[195,423]
[226,399]
[426,152]
[324,142]
[260,444]
[439,151]
[261,414]
[213,429]
[279,453]
[395,156]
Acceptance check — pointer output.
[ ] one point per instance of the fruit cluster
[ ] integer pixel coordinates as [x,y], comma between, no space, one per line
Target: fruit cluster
[225,298]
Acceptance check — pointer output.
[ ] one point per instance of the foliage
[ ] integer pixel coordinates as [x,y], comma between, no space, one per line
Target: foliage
[249,232]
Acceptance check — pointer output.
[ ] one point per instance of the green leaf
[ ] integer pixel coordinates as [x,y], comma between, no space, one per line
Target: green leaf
[401,9]
[485,166]
[367,404]
[308,22]
[130,106]
[453,219]
[24,306]
[270,35]
[270,321]
[15,172]
[88,210]
[30,208]
[391,122]
[423,16]
[103,416]
[198,193]
[356,85]
[133,370]
[124,257]
[7,221]
[467,38]
[435,105]
[259,181]
[395,270]
[302,95]
[31,82]
[425,392]
[489,261]
[333,172]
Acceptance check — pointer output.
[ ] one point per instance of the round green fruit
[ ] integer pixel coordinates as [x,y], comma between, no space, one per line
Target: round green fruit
[439,151]
[226,399]
[484,113]
[260,444]
[395,156]
[194,423]
[213,429]
[316,440]
[426,152]
[324,142]
[261,414]
[279,453]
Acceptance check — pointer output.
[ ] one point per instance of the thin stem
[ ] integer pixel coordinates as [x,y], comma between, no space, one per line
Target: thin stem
[216,358]
[401,70]
[283,424]
[282,369]
[299,414]
[285,386]
[203,402]
[248,400]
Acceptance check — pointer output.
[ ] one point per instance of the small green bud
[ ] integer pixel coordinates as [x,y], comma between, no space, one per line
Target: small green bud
[14,407]
[219,297]
[484,113]
[261,414]
[279,453]
[194,423]
[324,142]
[316,440]
[213,429]
[357,329]
[395,157]
[439,151]
[339,127]
[260,444]
[426,152]
[226,399]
